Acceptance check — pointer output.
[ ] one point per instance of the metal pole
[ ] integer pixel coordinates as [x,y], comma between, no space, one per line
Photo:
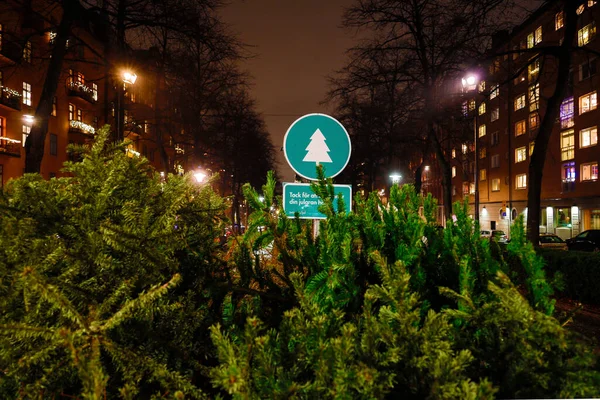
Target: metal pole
[120,111]
[476,160]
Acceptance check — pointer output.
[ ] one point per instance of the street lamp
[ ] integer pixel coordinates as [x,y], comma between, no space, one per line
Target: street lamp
[200,176]
[125,78]
[470,83]
[395,177]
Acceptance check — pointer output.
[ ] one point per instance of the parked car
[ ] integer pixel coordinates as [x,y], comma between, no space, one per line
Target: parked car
[499,236]
[551,241]
[585,241]
[486,234]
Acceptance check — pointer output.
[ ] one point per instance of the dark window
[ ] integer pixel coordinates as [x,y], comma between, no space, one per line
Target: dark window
[52,175]
[493,225]
[53,144]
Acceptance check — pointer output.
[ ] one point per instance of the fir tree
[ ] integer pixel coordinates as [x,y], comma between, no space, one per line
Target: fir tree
[91,270]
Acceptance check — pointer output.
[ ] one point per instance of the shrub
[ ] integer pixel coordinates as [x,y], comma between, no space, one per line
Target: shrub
[104,280]
[578,271]
[386,305]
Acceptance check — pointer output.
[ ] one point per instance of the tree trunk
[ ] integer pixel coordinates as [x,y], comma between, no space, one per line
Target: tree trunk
[538,158]
[34,145]
[418,177]
[445,169]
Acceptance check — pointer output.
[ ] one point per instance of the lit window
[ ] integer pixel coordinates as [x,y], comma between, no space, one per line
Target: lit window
[559,20]
[533,70]
[482,174]
[481,86]
[482,108]
[472,188]
[520,102]
[567,145]
[51,37]
[495,161]
[568,172]
[521,181]
[530,40]
[453,150]
[496,185]
[26,131]
[482,130]
[520,128]
[465,188]
[71,112]
[495,114]
[587,102]
[534,97]
[538,36]
[586,34]
[567,111]
[589,171]
[587,69]
[471,105]
[464,149]
[591,3]
[54,106]
[26,93]
[534,121]
[453,172]
[27,52]
[521,154]
[79,115]
[588,137]
[95,91]
[531,147]
[482,152]
[494,92]
[580,9]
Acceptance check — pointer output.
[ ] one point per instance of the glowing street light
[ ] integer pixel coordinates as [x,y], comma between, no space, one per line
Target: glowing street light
[200,176]
[395,178]
[129,77]
[28,119]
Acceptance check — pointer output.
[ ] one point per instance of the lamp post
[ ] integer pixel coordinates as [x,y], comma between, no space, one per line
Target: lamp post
[125,78]
[469,83]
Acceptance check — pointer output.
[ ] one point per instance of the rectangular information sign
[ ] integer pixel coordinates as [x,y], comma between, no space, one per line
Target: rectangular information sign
[299,198]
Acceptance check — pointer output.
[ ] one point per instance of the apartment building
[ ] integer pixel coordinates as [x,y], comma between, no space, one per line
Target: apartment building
[508,105]
[86,97]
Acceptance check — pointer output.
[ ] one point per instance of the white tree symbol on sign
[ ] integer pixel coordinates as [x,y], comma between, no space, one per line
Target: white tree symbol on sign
[317,149]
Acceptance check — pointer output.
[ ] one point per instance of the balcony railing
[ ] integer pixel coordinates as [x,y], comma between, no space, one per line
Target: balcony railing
[81,127]
[10,98]
[10,147]
[80,90]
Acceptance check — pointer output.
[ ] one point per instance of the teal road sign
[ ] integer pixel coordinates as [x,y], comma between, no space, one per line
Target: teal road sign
[317,139]
[299,198]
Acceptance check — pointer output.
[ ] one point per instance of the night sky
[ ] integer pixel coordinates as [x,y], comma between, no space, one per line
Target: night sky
[297,44]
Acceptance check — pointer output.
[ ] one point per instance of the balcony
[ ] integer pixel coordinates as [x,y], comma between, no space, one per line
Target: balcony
[79,127]
[10,98]
[10,147]
[80,90]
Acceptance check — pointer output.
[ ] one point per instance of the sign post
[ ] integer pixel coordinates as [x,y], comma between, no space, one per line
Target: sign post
[315,140]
